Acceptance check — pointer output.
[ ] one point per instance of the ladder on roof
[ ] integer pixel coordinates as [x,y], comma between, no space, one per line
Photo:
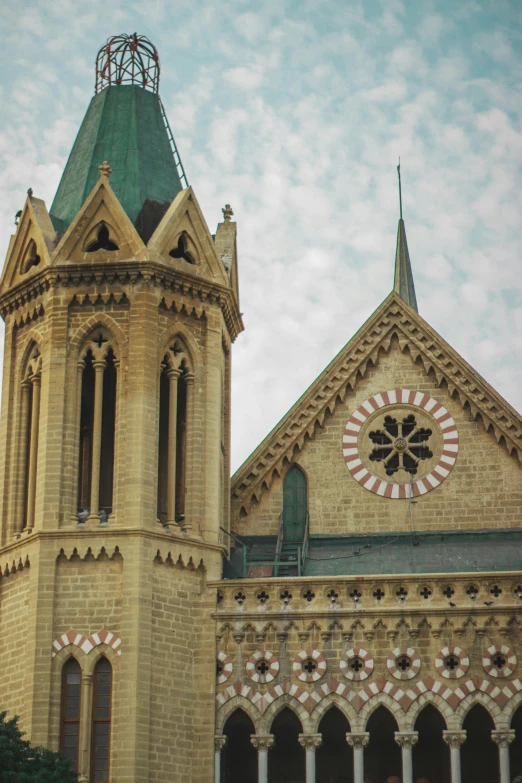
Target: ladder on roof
[177,159]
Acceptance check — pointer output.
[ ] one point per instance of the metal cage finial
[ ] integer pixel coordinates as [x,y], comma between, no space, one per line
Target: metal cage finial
[128,59]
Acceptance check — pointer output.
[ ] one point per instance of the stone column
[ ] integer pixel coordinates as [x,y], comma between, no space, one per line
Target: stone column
[117,440]
[310,742]
[503,739]
[33,451]
[80,367]
[187,524]
[23,456]
[454,739]
[94,511]
[173,376]
[406,740]
[220,741]
[262,743]
[84,749]
[358,742]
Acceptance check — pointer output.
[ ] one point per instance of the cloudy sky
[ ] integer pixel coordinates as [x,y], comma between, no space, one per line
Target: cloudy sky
[296,112]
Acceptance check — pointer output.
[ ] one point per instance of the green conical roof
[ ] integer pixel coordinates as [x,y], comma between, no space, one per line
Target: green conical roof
[403,284]
[124,125]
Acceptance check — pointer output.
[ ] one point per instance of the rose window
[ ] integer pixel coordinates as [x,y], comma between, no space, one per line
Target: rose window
[356,664]
[403,663]
[401,443]
[262,666]
[499,661]
[309,666]
[452,662]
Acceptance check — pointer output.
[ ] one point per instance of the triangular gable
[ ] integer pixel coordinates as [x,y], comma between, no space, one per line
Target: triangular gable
[184,217]
[102,208]
[31,247]
[393,319]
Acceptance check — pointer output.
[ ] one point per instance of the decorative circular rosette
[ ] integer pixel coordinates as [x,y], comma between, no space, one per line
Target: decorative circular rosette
[403,663]
[400,444]
[452,662]
[499,661]
[224,667]
[309,665]
[262,666]
[356,664]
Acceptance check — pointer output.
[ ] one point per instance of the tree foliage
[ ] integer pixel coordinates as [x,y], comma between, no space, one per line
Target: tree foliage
[21,762]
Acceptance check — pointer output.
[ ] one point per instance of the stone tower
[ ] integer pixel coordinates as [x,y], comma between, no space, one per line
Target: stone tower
[120,310]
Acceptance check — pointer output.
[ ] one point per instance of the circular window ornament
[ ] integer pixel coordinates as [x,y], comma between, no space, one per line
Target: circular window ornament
[499,661]
[262,666]
[452,662]
[403,663]
[309,665]
[400,444]
[224,667]
[356,664]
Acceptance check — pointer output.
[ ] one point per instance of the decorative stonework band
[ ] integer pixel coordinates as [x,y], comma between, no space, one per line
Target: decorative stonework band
[86,643]
[492,653]
[346,664]
[227,667]
[301,673]
[463,662]
[271,662]
[396,671]
[390,489]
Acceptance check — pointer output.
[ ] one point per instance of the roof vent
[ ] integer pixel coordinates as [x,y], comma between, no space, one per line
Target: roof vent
[128,59]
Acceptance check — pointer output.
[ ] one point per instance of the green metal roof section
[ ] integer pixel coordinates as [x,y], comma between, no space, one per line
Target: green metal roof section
[124,125]
[403,284]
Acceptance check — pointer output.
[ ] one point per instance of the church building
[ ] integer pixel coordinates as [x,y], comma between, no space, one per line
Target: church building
[345,609]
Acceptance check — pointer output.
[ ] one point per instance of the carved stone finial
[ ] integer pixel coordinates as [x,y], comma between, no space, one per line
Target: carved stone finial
[358,741]
[262,741]
[310,741]
[105,169]
[406,739]
[227,212]
[30,192]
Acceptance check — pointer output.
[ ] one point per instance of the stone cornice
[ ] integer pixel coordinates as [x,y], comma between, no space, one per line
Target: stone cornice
[393,319]
[123,273]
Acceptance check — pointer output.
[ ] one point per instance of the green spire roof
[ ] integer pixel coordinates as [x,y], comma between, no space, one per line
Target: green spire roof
[404,285]
[125,126]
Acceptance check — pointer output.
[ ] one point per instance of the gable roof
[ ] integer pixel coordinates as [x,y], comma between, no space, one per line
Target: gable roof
[394,318]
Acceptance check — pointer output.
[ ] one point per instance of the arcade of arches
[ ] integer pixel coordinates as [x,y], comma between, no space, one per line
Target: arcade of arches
[380,754]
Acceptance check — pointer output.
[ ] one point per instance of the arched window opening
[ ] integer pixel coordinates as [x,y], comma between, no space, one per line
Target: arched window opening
[173,442]
[382,756]
[239,757]
[70,711]
[515,749]
[334,758]
[286,760]
[431,758]
[101,722]
[181,250]
[479,754]
[294,505]
[97,430]
[102,241]
[29,424]
[31,258]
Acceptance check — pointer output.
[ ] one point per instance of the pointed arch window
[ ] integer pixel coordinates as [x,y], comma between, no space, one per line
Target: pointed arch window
[97,428]
[101,722]
[70,711]
[29,429]
[175,433]
[295,505]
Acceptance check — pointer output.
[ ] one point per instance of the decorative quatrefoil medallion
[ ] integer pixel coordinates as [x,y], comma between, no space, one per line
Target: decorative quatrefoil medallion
[400,444]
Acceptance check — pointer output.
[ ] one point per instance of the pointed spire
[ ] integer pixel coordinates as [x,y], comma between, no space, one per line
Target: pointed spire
[403,283]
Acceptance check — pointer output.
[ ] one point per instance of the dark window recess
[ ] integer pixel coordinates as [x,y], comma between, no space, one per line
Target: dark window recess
[357,664]
[401,593]
[403,663]
[309,595]
[262,667]
[378,594]
[400,444]
[219,597]
[101,722]
[451,662]
[425,592]
[499,660]
[219,668]
[102,241]
[310,665]
[496,591]
[448,591]
[70,717]
[180,251]
[262,597]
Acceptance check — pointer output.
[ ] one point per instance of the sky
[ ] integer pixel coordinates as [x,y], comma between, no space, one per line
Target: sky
[296,113]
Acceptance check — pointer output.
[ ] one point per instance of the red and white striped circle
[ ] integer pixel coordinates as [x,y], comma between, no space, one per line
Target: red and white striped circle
[301,673]
[346,661]
[413,669]
[271,662]
[503,671]
[391,489]
[460,670]
[228,666]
